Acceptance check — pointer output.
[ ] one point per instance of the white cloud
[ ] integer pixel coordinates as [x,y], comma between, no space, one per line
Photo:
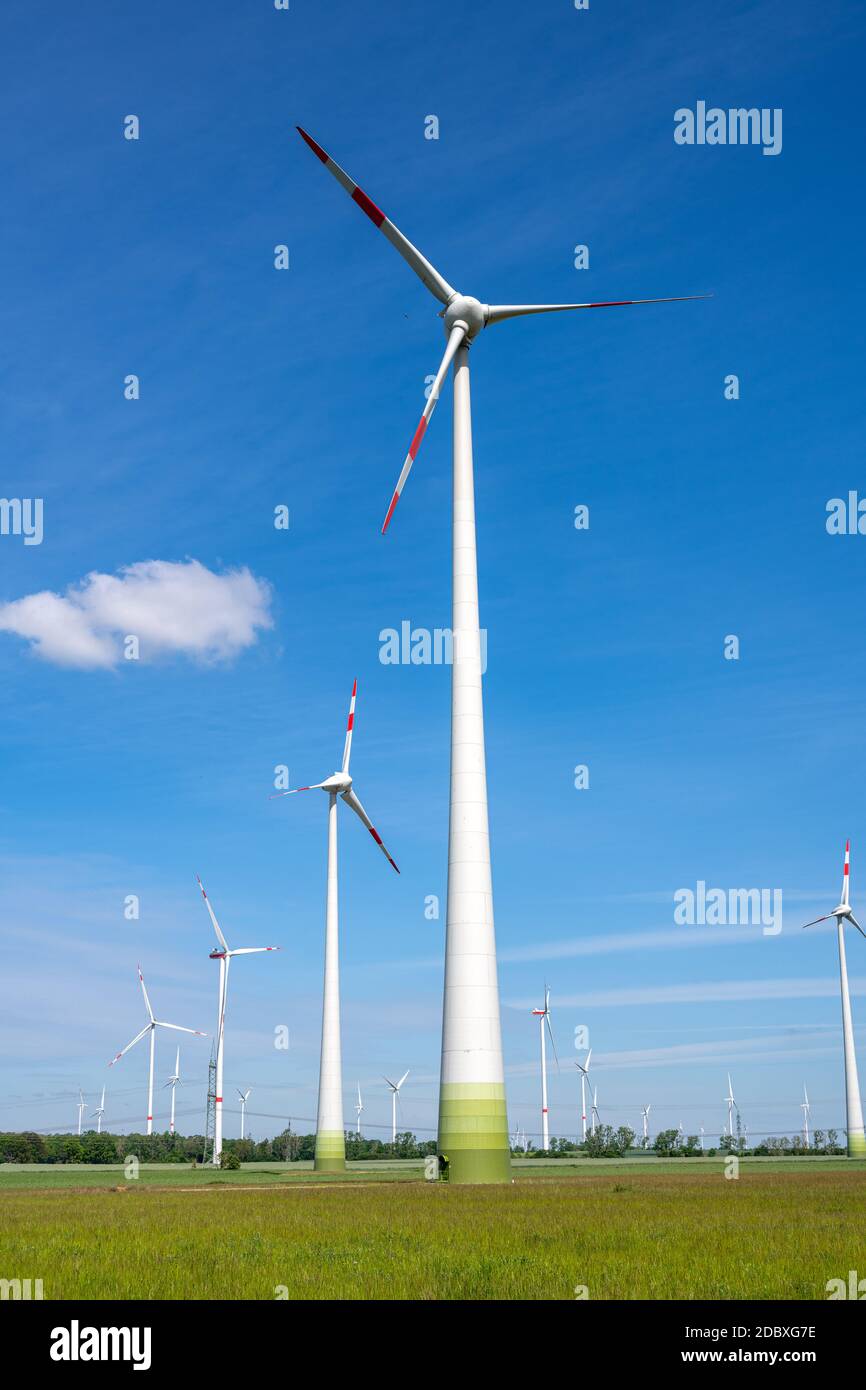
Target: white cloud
[171,608]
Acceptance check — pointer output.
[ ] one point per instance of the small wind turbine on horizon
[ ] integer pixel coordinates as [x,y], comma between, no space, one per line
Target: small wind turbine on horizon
[645,1113]
[731,1103]
[99,1112]
[804,1106]
[330,1129]
[359,1106]
[244,1097]
[224,956]
[473,1123]
[853,1104]
[172,1082]
[584,1077]
[395,1090]
[595,1119]
[150,1028]
[543,1016]
[82,1108]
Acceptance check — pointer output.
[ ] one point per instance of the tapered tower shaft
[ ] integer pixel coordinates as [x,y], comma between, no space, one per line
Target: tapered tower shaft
[545,1128]
[330,1136]
[473,1126]
[150,1083]
[220,1049]
[853,1106]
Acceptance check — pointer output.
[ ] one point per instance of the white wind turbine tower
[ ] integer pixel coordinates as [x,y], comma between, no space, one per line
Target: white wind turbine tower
[584,1077]
[645,1113]
[731,1103]
[98,1113]
[543,1016]
[150,1028]
[359,1106]
[172,1082]
[853,1106]
[473,1125]
[595,1119]
[82,1108]
[804,1106]
[702,1138]
[330,1131]
[224,956]
[395,1090]
[244,1097]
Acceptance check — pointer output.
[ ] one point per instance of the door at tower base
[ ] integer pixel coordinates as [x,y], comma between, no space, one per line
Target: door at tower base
[330,1151]
[473,1132]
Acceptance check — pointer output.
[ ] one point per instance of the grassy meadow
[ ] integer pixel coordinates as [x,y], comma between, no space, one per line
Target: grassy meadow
[643,1228]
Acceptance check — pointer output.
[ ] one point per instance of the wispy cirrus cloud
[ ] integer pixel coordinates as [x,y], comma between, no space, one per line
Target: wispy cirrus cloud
[702,992]
[171,608]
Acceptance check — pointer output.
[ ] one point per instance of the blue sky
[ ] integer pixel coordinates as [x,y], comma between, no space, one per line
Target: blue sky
[302,388]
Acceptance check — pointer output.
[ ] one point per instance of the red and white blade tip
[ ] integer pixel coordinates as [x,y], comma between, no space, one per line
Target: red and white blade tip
[375,214]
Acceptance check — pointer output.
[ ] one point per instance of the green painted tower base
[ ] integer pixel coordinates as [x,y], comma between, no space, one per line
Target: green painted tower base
[330,1152]
[473,1133]
[857,1145]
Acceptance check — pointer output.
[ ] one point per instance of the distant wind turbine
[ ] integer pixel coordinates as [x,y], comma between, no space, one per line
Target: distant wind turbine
[99,1112]
[330,1131]
[595,1119]
[150,1028]
[225,957]
[853,1106]
[543,1016]
[359,1106]
[804,1106]
[172,1082]
[82,1108]
[584,1077]
[731,1103]
[395,1087]
[244,1097]
[645,1113]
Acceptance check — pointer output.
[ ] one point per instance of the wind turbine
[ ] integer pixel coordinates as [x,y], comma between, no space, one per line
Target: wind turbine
[150,1028]
[853,1107]
[224,956]
[543,1016]
[330,1133]
[804,1106]
[244,1096]
[731,1104]
[645,1112]
[172,1082]
[359,1106]
[595,1119]
[702,1138]
[82,1108]
[584,1077]
[473,1126]
[395,1087]
[98,1113]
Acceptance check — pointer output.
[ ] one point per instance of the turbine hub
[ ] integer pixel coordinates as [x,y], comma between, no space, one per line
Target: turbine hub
[841,911]
[464,309]
[337,782]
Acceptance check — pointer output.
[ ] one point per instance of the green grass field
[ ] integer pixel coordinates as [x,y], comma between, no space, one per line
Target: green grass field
[639,1228]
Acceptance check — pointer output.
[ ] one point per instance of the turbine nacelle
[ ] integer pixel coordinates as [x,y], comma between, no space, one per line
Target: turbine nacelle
[338,782]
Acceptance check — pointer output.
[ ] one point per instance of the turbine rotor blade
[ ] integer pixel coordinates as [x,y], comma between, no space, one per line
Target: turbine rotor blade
[402,1079]
[817,920]
[855,923]
[846,873]
[351,800]
[138,1037]
[428,274]
[455,338]
[314,787]
[178,1029]
[216,925]
[497,312]
[144,992]
[347,746]
[253,950]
